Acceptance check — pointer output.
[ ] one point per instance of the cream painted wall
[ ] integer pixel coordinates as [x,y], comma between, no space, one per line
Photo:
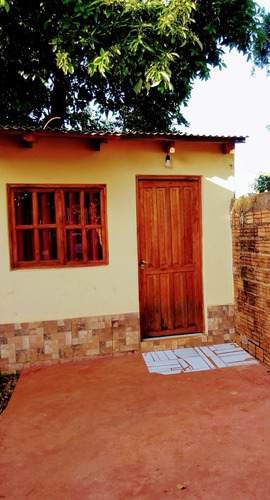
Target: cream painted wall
[33,295]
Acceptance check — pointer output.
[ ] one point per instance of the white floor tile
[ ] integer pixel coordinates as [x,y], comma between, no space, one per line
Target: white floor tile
[197,359]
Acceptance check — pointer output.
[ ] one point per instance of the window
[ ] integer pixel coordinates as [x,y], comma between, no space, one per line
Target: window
[54,226]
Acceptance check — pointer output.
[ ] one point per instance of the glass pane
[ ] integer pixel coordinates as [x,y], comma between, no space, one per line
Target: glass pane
[74,245]
[94,244]
[92,208]
[26,249]
[46,208]
[23,208]
[48,244]
[72,208]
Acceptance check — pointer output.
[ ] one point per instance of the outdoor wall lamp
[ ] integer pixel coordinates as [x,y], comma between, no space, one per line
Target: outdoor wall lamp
[168,161]
[170,149]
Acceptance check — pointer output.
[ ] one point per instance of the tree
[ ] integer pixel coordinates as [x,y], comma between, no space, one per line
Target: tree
[133,60]
[262,43]
[262,183]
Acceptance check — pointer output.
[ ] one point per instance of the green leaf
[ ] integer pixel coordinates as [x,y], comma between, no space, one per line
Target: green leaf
[155,84]
[147,86]
[98,60]
[5,4]
[165,75]
[138,86]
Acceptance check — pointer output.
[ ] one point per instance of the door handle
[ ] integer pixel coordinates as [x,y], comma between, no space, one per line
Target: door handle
[142,262]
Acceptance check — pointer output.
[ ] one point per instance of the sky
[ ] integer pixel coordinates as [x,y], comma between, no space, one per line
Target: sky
[235,102]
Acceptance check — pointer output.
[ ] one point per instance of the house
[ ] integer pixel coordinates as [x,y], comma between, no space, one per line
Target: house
[113,243]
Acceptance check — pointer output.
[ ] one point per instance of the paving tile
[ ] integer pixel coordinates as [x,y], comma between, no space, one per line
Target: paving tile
[197,359]
[187,351]
[212,357]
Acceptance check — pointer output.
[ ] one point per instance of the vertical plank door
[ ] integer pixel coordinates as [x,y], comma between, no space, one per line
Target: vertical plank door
[169,253]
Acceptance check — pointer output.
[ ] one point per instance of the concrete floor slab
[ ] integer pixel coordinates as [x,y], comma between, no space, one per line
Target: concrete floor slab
[107,429]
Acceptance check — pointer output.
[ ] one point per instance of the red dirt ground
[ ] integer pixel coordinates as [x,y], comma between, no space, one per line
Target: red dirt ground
[106,429]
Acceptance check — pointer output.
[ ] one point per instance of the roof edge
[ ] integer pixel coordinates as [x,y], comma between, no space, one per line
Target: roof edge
[136,135]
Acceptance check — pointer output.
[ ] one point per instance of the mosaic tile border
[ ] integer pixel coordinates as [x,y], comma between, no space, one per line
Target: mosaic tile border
[23,345]
[26,344]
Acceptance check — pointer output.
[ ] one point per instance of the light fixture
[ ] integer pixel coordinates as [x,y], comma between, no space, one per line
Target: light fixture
[168,161]
[169,147]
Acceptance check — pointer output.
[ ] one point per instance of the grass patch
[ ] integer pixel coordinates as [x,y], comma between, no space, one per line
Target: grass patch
[7,386]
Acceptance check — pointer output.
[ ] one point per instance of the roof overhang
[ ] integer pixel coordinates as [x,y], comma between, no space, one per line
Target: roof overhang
[97,137]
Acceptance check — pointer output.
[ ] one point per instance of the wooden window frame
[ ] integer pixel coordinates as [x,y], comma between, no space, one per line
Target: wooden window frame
[60,225]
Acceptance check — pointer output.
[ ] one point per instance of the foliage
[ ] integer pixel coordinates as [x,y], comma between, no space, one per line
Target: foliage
[85,61]
[262,183]
[5,4]
[262,43]
[7,386]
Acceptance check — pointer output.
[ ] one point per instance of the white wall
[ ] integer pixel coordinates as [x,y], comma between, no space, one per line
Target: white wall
[42,294]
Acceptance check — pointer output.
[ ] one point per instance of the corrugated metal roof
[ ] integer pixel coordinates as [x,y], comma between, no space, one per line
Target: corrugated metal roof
[136,134]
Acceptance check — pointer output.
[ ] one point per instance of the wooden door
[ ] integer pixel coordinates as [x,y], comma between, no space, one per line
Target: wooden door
[169,253]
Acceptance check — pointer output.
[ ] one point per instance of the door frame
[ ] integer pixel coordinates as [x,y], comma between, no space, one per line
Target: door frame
[149,177]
